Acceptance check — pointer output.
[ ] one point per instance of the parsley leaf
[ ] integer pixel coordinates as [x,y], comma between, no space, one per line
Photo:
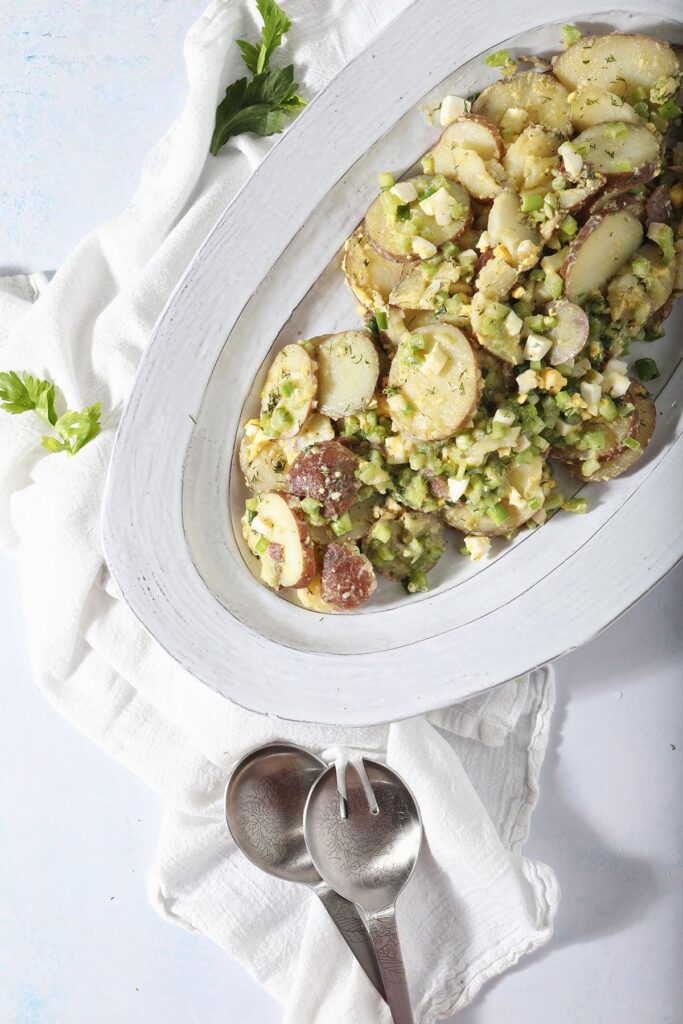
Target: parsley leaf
[28,394]
[275,25]
[23,393]
[262,106]
[264,103]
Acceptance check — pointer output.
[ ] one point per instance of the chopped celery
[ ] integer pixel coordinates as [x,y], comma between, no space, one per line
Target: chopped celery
[261,546]
[381,319]
[570,34]
[497,513]
[342,525]
[531,202]
[631,442]
[386,180]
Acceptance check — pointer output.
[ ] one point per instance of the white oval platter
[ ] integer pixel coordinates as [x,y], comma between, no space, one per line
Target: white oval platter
[269,273]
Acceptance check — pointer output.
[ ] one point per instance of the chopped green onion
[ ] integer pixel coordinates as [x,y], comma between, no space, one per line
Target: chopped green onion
[579,505]
[287,388]
[416,583]
[386,180]
[497,513]
[342,525]
[531,202]
[381,319]
[615,130]
[642,108]
[647,369]
[501,59]
[568,227]
[632,443]
[403,212]
[669,110]
[261,546]
[570,34]
[449,250]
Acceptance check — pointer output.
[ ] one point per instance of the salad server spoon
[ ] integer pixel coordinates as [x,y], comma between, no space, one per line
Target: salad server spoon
[264,806]
[368,856]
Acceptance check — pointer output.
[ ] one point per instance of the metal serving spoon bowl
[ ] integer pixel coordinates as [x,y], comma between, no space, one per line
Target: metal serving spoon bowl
[264,808]
[368,857]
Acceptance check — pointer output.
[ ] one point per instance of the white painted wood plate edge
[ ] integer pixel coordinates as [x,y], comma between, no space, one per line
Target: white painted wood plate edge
[245,642]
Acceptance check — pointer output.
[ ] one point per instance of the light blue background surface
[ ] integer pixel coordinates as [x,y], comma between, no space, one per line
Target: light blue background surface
[85,89]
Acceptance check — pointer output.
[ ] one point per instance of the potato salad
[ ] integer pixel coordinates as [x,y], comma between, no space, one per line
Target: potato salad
[500,288]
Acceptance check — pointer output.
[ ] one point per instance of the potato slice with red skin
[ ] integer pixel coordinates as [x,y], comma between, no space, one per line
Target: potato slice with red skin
[507,347]
[290,559]
[289,392]
[347,578]
[630,159]
[592,104]
[469,168]
[615,434]
[348,368]
[370,276]
[475,133]
[435,381]
[310,599]
[527,480]
[603,245]
[573,200]
[626,457]
[541,95]
[658,209]
[570,333]
[327,473]
[617,62]
[385,233]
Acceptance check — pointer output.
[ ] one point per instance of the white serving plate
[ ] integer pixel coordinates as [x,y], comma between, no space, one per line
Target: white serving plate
[268,274]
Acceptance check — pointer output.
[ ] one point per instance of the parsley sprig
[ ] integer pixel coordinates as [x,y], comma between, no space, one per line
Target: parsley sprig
[21,393]
[264,103]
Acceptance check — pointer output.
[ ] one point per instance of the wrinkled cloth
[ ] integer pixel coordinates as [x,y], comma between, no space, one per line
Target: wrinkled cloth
[475,904]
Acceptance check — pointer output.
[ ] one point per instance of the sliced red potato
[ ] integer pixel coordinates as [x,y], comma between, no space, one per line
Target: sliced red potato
[615,433]
[592,104]
[435,382]
[526,484]
[531,158]
[497,278]
[474,133]
[469,168]
[281,540]
[491,333]
[327,473]
[289,392]
[419,284]
[310,598]
[570,333]
[370,276]
[633,298]
[262,460]
[347,578]
[632,157]
[572,200]
[348,368]
[619,63]
[603,245]
[507,226]
[542,96]
[613,199]
[410,542]
[626,457]
[395,238]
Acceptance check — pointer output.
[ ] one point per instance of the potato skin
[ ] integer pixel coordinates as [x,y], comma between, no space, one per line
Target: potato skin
[625,457]
[347,579]
[326,472]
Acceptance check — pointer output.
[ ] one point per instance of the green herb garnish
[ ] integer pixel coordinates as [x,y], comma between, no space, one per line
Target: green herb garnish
[21,393]
[264,104]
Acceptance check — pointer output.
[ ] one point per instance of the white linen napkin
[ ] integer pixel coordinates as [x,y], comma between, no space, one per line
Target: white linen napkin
[475,904]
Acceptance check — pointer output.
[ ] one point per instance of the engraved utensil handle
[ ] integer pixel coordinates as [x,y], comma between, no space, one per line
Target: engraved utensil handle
[383,932]
[352,929]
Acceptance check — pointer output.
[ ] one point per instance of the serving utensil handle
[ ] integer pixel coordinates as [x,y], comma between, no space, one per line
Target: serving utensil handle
[384,935]
[352,929]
